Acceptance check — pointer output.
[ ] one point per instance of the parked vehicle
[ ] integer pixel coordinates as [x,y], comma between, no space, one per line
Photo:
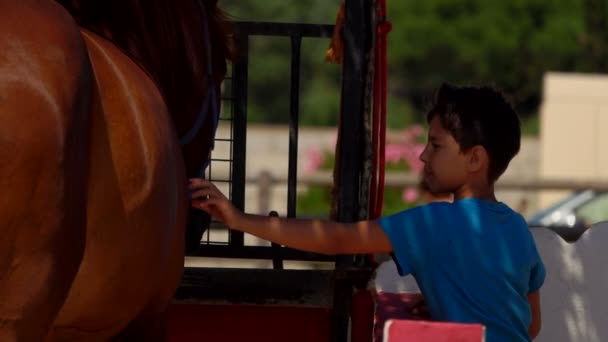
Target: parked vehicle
[574,214]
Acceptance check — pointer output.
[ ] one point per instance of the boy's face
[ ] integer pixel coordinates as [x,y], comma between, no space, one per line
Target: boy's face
[445,166]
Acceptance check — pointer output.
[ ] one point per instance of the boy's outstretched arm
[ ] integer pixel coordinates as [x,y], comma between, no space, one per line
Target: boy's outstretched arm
[320,236]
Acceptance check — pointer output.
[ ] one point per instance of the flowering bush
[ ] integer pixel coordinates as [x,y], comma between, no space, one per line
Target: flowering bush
[402,155]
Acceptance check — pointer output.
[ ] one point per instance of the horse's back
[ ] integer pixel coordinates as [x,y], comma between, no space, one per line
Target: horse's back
[44,97]
[136,203]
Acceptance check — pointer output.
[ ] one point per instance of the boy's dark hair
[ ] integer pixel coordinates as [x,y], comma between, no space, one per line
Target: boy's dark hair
[479,116]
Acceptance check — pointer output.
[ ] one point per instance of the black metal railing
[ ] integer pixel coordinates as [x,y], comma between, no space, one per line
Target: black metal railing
[357,34]
[235,246]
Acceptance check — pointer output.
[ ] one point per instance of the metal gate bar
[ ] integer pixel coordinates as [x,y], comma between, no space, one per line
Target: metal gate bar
[235,248]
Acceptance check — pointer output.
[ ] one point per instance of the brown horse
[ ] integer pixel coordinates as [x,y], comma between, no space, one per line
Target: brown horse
[93,97]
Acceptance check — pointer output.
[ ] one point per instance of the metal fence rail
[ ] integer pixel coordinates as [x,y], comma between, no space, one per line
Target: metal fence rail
[235,246]
[357,36]
[401,180]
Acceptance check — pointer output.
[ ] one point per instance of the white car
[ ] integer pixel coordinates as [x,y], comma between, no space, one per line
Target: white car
[571,216]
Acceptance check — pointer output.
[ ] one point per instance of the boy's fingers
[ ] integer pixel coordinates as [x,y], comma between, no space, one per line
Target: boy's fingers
[202,204]
[198,183]
[204,193]
[206,197]
[198,204]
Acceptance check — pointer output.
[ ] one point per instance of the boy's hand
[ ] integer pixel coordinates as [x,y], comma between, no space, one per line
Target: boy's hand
[207,197]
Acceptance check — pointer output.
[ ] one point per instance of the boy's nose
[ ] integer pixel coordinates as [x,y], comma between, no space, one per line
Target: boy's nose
[423,155]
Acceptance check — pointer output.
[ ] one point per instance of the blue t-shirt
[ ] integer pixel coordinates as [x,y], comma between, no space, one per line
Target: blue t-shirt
[475,262]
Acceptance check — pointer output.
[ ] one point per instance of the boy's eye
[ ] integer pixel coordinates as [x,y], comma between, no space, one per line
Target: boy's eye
[435,146]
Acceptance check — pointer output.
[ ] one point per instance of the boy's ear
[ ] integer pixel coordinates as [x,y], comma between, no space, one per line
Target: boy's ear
[477,158]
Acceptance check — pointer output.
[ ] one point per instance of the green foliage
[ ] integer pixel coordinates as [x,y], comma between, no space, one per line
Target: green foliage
[393,202]
[316,200]
[530,126]
[289,11]
[507,43]
[401,113]
[400,166]
[270,63]
[510,44]
[595,40]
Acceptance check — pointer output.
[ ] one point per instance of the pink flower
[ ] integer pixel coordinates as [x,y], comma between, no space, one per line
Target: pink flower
[408,150]
[412,157]
[412,133]
[416,130]
[410,195]
[393,153]
[314,160]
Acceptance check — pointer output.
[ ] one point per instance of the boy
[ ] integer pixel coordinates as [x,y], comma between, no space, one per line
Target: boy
[474,259]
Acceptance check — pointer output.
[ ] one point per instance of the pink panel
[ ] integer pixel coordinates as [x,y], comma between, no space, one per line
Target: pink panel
[423,331]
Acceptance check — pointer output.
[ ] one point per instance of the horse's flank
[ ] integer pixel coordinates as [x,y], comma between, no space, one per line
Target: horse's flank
[165,37]
[94,206]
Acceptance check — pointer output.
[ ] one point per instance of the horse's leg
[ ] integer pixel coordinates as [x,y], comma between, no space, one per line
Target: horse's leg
[44,90]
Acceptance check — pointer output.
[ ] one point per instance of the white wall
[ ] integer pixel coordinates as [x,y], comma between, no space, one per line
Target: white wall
[574,129]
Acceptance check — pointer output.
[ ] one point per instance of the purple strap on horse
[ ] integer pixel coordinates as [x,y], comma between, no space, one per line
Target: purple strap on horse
[209,104]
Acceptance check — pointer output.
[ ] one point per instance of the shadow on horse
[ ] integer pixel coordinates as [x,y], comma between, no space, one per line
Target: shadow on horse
[94,98]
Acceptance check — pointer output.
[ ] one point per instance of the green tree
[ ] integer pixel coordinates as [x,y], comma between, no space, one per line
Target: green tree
[506,43]
[595,39]
[269,63]
[510,44]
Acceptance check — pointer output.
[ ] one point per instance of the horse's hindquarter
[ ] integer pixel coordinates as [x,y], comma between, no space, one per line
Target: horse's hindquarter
[137,200]
[44,98]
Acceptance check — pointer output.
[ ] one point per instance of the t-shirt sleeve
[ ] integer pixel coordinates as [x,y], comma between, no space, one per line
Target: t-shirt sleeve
[409,236]
[537,274]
